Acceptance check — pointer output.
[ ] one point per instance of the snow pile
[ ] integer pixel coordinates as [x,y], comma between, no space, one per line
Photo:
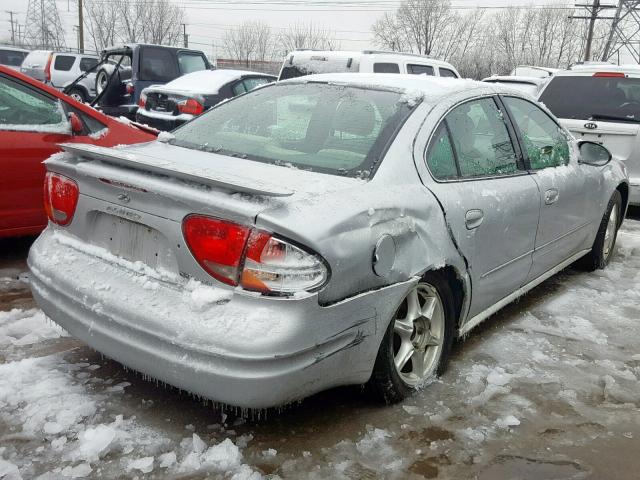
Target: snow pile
[26,327]
[200,296]
[204,82]
[165,137]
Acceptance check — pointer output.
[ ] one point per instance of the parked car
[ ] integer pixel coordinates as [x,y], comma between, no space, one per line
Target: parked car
[167,106]
[328,230]
[307,62]
[61,69]
[601,103]
[34,119]
[533,71]
[528,85]
[126,71]
[12,56]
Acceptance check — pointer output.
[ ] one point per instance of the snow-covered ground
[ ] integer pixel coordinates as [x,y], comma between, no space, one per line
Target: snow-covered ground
[548,388]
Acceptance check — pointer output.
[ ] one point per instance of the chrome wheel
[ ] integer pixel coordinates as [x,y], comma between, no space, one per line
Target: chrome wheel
[610,232]
[418,335]
[77,97]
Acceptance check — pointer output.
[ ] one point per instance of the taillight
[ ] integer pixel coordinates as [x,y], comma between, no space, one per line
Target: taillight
[142,101]
[273,265]
[47,68]
[130,88]
[238,255]
[60,198]
[190,106]
[217,245]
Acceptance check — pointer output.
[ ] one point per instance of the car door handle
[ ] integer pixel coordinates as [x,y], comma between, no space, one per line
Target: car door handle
[473,218]
[551,196]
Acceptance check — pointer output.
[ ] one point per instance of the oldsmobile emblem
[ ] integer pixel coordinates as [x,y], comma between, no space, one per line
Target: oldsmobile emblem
[124,198]
[591,125]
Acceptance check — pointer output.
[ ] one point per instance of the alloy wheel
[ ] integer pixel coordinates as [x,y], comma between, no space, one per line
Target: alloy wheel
[418,335]
[610,232]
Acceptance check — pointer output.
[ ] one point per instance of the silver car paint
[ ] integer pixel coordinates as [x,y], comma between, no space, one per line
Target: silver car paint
[342,221]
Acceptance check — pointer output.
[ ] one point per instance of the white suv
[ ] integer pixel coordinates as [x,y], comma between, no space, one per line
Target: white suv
[61,69]
[307,62]
[601,103]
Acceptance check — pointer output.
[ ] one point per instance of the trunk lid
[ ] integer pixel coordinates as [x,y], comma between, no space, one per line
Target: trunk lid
[133,200]
[620,138]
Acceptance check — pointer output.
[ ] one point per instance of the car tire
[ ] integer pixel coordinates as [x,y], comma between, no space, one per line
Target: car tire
[114,91]
[605,242]
[78,95]
[393,379]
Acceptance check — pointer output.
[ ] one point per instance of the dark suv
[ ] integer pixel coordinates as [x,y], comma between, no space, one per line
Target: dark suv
[125,71]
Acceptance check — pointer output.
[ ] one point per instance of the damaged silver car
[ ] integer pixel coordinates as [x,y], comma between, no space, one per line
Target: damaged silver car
[329,230]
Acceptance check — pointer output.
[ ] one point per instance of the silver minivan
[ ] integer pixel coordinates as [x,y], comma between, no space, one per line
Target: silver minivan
[61,69]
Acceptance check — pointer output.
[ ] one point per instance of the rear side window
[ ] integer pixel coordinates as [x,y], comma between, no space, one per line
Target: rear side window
[251,83]
[27,109]
[157,64]
[440,156]
[481,140]
[420,69]
[63,63]
[543,139]
[326,128]
[386,68]
[88,63]
[445,72]
[239,88]
[191,62]
[12,57]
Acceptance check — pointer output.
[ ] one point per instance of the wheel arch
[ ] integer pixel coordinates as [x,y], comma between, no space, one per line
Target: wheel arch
[623,188]
[452,277]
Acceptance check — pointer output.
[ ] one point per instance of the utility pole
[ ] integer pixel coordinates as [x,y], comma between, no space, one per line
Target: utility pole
[80,28]
[185,36]
[592,22]
[13,33]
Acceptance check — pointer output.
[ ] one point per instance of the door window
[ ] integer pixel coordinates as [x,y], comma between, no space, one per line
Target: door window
[22,108]
[445,72]
[544,141]
[386,68]
[88,63]
[63,63]
[157,64]
[420,69]
[440,157]
[481,139]
[239,88]
[191,62]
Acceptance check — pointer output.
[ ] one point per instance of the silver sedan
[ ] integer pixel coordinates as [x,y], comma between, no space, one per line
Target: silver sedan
[329,230]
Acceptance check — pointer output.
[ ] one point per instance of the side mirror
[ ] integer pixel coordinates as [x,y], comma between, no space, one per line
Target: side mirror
[592,153]
[76,124]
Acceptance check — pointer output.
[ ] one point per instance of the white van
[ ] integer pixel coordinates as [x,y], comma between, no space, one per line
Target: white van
[307,62]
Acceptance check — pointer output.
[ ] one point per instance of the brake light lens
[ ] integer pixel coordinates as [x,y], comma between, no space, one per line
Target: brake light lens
[254,259]
[275,266]
[47,69]
[60,198]
[142,101]
[130,88]
[217,245]
[609,74]
[190,106]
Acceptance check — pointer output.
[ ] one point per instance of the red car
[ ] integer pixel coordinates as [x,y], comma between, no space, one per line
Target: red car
[34,119]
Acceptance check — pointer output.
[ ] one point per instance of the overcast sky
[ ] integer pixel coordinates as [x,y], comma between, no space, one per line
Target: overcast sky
[207,19]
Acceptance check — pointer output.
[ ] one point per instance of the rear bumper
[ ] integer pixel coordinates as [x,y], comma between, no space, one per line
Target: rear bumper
[251,351]
[161,122]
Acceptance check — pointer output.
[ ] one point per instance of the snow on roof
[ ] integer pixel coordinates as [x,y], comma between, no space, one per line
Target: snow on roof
[206,82]
[345,54]
[515,79]
[433,87]
[594,67]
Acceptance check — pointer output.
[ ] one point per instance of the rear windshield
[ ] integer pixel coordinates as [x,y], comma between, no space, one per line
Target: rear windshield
[325,128]
[11,57]
[594,98]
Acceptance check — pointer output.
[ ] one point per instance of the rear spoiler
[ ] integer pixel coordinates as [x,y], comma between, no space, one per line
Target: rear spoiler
[175,170]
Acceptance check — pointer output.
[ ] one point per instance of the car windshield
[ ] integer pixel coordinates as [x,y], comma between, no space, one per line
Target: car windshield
[613,99]
[333,129]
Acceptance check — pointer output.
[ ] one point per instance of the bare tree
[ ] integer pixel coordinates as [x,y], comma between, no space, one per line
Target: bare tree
[101,20]
[307,35]
[388,33]
[248,42]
